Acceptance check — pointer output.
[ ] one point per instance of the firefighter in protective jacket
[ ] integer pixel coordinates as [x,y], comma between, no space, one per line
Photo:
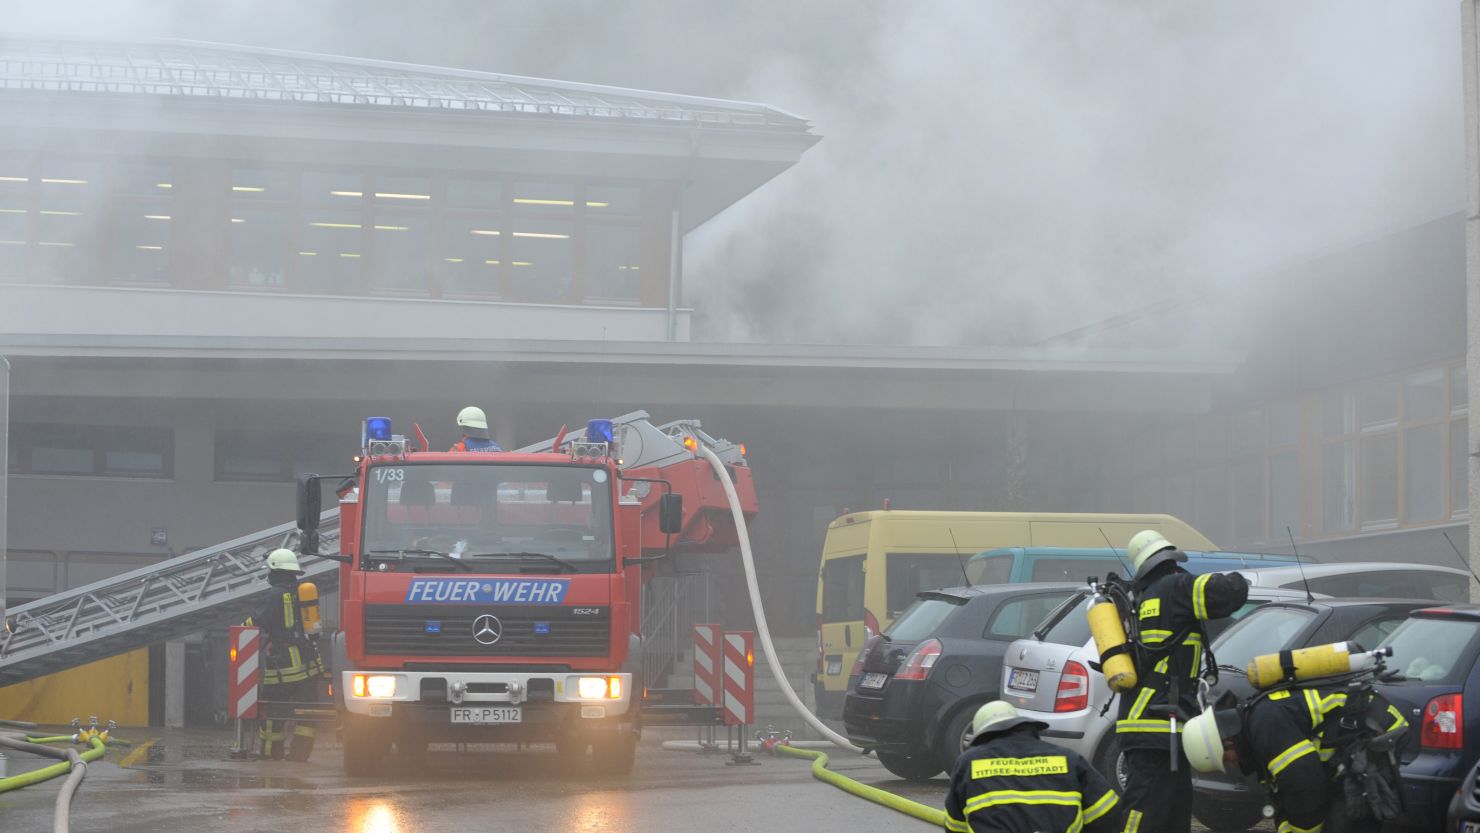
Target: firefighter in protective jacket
[292,665]
[1171,605]
[1009,781]
[1308,744]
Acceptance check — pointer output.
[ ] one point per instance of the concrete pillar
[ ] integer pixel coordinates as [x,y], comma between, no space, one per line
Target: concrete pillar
[174,685]
[502,430]
[1470,11]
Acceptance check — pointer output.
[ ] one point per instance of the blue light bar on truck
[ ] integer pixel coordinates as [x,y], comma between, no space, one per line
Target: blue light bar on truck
[599,431]
[378,428]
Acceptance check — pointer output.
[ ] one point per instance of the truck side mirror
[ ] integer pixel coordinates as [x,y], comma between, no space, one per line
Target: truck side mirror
[309,503]
[670,514]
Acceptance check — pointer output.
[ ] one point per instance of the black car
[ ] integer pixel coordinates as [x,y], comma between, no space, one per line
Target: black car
[1230,802]
[916,686]
[1438,653]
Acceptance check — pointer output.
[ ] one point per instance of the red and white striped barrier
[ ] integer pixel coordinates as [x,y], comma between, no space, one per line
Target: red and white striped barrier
[739,678]
[707,664]
[245,670]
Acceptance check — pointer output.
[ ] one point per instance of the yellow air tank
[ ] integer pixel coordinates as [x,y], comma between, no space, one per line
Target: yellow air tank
[1309,663]
[1109,634]
[308,604]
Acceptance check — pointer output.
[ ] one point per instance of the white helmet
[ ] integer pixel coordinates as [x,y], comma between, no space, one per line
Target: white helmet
[472,417]
[999,716]
[1203,736]
[283,559]
[1149,548]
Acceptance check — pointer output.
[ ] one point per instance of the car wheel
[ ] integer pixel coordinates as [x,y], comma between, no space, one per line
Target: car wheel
[955,737]
[1226,816]
[910,767]
[1107,763]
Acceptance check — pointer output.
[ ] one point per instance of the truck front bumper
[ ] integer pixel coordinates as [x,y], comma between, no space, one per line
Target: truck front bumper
[380,693]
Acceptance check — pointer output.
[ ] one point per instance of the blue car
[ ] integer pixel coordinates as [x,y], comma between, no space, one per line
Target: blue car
[1436,651]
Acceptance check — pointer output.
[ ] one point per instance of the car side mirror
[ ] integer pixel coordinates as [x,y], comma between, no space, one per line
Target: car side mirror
[310,505]
[670,514]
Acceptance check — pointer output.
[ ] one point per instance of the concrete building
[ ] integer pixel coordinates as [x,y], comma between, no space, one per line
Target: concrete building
[215,261]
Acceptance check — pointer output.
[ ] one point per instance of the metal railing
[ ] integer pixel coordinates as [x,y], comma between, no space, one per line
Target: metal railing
[671,604]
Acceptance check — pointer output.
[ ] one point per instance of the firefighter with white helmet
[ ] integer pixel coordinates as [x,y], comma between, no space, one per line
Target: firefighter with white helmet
[474,425]
[1008,780]
[292,664]
[1171,606]
[1304,742]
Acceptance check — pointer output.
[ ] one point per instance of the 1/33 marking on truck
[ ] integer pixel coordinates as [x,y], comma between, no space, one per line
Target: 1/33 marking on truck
[544,591]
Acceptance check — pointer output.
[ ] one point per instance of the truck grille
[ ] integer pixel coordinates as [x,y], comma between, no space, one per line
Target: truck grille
[433,630]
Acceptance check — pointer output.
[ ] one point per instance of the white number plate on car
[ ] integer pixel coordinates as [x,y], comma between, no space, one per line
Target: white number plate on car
[1023,680]
[1469,827]
[873,679]
[834,667]
[487,715]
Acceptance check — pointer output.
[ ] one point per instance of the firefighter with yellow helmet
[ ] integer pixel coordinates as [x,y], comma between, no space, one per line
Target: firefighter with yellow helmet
[1170,607]
[292,665]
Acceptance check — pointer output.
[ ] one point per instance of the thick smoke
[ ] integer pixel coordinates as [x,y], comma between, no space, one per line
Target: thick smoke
[992,172]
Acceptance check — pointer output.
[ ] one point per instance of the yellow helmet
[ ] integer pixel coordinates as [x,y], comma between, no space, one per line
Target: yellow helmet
[472,417]
[1149,548]
[283,559]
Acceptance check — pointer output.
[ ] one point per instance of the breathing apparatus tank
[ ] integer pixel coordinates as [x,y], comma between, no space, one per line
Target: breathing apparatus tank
[1109,633]
[1269,670]
[308,604]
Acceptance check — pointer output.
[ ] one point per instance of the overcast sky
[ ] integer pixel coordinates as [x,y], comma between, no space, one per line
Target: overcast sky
[991,172]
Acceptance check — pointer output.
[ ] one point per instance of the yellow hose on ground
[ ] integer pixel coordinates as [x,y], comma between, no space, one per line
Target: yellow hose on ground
[923,812]
[36,776]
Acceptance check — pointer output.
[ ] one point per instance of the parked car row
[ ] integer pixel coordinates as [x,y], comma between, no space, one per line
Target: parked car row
[913,687]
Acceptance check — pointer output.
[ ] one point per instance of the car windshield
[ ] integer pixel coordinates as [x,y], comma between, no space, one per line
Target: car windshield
[487,512]
[1263,631]
[1433,650]
[921,619]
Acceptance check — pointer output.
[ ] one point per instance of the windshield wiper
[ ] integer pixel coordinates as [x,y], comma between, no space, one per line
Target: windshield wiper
[403,553]
[560,562]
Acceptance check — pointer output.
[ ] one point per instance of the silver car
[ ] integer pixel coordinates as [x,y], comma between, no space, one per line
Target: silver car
[1047,675]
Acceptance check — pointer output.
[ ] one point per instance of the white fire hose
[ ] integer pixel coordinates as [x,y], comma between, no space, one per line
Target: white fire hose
[763,632]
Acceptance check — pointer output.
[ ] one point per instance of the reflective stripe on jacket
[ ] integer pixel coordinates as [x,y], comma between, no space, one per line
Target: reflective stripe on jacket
[1016,783]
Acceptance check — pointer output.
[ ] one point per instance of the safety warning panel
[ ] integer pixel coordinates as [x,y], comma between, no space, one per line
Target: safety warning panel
[707,659]
[739,678]
[245,670]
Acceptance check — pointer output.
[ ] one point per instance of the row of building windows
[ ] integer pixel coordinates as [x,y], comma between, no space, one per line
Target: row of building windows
[105,451]
[319,231]
[1382,454]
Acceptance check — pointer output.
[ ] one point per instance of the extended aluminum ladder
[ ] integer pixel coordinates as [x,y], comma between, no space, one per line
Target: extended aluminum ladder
[219,585]
[169,600]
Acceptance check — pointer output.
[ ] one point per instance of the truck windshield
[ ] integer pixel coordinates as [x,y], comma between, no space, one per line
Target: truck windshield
[539,515]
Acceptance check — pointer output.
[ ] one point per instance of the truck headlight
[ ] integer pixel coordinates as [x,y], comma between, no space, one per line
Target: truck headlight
[382,686]
[599,688]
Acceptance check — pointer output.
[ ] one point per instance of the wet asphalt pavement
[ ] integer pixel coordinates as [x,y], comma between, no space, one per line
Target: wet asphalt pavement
[184,781]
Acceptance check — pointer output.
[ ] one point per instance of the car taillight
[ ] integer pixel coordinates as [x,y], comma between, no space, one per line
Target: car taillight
[918,664]
[1444,723]
[1073,694]
[863,655]
[870,624]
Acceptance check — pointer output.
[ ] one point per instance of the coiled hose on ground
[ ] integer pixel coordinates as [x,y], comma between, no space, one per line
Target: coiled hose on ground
[71,764]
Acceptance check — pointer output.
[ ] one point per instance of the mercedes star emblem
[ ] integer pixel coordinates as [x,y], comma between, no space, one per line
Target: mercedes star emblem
[487,629]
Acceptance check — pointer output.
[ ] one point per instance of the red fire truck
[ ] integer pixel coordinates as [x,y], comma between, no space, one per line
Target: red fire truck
[496,597]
